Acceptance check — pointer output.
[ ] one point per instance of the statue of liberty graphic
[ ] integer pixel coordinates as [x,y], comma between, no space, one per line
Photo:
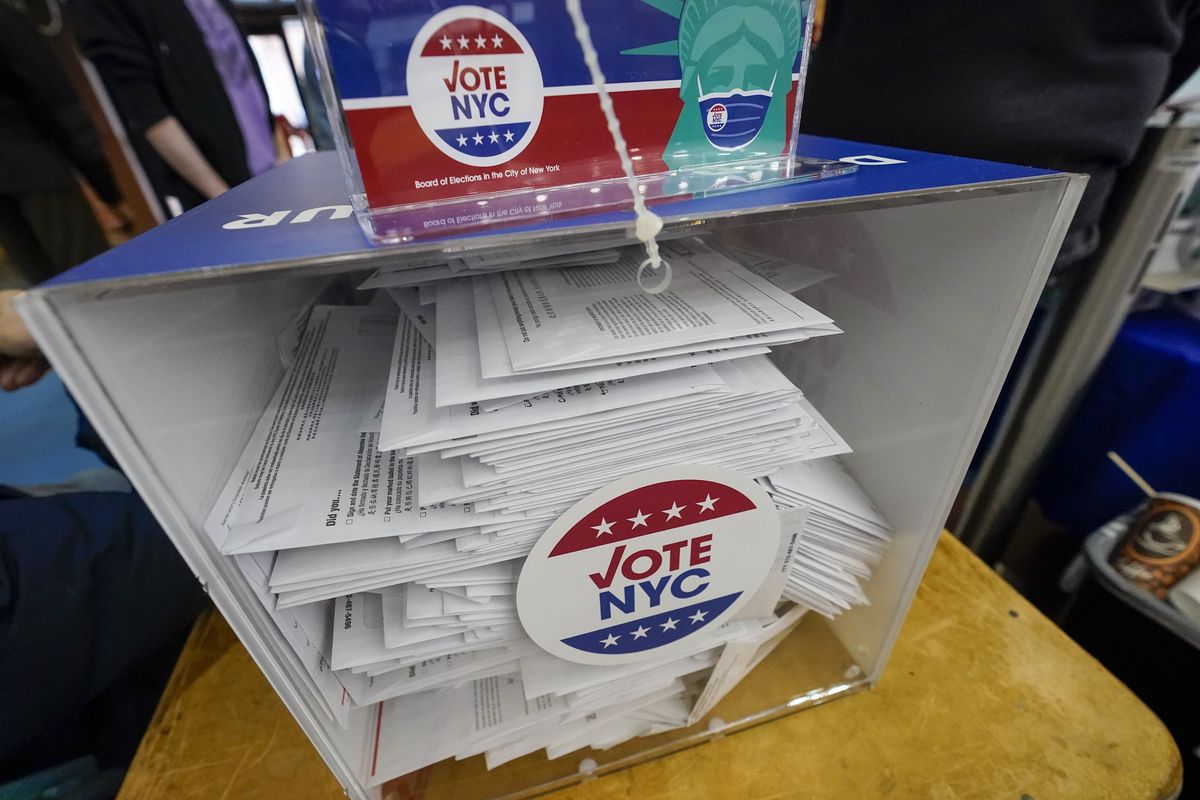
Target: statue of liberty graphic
[736,58]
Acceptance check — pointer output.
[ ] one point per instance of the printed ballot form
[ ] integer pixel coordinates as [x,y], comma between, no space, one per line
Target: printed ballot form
[412,419]
[460,377]
[313,472]
[559,316]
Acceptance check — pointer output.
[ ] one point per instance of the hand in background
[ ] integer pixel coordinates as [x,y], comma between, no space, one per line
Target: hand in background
[17,373]
[116,220]
[21,363]
[127,218]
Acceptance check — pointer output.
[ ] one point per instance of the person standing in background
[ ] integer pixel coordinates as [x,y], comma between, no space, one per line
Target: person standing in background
[47,143]
[188,89]
[1064,85]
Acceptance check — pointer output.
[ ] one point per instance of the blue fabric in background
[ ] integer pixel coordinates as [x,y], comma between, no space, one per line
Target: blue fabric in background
[89,587]
[37,435]
[94,599]
[1144,403]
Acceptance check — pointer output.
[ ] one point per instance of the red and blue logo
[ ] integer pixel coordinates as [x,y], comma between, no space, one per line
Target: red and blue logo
[475,86]
[647,564]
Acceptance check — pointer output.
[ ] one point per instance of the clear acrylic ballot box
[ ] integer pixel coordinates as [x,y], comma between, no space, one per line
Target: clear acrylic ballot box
[174,343]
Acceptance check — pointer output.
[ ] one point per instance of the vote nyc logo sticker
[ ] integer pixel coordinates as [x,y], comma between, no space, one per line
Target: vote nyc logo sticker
[475,85]
[716,117]
[648,564]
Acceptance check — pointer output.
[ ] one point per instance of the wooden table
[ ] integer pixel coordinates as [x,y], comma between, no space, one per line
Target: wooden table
[983,698]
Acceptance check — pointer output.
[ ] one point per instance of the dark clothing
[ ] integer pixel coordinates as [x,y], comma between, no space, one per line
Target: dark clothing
[90,588]
[155,63]
[46,224]
[46,232]
[1061,85]
[45,135]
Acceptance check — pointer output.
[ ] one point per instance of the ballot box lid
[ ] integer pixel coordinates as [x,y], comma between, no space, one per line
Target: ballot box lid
[300,212]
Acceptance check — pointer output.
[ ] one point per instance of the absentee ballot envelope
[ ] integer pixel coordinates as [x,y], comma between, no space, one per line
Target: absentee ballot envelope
[312,472]
[411,419]
[563,316]
[459,376]
[495,360]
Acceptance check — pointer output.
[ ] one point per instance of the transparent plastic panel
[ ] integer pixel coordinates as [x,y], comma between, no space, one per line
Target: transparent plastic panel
[808,668]
[933,299]
[494,211]
[492,113]
[932,291]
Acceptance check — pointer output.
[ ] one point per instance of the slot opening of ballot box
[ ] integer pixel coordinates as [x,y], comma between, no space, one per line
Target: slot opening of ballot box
[484,211]
[274,417]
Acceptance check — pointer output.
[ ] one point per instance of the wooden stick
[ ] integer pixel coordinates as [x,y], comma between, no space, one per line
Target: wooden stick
[1131,473]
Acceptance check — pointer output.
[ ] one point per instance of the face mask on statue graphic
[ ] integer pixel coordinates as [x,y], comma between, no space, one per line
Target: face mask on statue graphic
[731,120]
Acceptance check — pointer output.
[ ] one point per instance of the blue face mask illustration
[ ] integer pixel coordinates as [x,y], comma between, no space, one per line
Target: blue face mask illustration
[731,120]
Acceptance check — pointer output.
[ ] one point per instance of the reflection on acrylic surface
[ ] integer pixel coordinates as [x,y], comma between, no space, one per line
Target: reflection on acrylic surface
[736,60]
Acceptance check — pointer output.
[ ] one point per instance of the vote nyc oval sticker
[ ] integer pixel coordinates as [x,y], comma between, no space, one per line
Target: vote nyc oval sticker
[475,85]
[646,565]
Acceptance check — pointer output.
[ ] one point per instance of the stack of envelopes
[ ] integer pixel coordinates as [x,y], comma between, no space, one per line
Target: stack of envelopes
[843,537]
[416,449]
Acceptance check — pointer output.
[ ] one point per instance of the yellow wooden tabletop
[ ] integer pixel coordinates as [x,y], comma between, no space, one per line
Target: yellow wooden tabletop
[983,698]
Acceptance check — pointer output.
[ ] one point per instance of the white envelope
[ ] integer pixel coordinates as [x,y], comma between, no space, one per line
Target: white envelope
[563,316]
[460,380]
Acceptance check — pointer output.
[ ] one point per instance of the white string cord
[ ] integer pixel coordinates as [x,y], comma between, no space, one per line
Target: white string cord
[648,223]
